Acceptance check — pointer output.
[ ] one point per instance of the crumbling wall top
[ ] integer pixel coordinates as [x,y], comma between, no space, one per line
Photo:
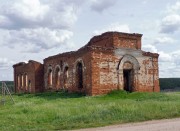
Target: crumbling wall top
[117,39]
[155,55]
[24,63]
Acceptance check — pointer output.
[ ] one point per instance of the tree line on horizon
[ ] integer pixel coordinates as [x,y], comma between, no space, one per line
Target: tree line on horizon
[169,83]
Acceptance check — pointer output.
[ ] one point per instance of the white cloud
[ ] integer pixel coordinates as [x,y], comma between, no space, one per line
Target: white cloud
[4,21]
[36,13]
[5,63]
[171,57]
[169,73]
[176,57]
[171,22]
[164,40]
[35,40]
[169,64]
[149,48]
[101,5]
[37,25]
[145,1]
[29,9]
[113,27]
[174,8]
[164,57]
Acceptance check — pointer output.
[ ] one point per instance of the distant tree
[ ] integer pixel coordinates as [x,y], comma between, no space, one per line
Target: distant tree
[10,85]
[169,83]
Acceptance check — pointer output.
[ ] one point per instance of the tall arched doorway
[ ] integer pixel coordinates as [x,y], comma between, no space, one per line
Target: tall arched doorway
[50,77]
[57,77]
[22,81]
[128,76]
[26,81]
[79,75]
[18,82]
[127,71]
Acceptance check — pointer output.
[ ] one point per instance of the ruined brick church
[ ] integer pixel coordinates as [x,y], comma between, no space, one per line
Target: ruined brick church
[110,61]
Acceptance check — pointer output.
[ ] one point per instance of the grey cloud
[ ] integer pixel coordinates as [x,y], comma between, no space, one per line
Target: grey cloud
[35,40]
[171,72]
[164,40]
[101,5]
[5,63]
[169,28]
[150,48]
[176,57]
[165,57]
[37,25]
[113,27]
[172,60]
[52,14]
[171,22]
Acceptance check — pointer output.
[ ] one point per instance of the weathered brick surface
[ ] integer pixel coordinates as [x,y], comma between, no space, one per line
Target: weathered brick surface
[69,60]
[34,72]
[108,62]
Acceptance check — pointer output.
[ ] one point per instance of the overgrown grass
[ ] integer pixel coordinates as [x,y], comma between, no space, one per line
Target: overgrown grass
[58,110]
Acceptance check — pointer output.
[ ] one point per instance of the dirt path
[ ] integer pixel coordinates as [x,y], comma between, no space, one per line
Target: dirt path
[155,125]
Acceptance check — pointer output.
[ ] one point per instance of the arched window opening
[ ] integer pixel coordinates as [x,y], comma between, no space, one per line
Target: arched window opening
[79,75]
[61,64]
[18,84]
[57,77]
[66,75]
[50,77]
[22,81]
[29,85]
[26,81]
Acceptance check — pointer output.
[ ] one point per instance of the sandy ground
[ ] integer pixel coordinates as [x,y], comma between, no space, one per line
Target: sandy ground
[155,125]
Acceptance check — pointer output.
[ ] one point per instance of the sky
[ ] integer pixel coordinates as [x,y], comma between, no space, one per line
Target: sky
[36,29]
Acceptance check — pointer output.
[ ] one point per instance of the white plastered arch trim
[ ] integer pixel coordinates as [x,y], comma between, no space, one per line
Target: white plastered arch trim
[64,66]
[49,68]
[47,73]
[18,80]
[131,59]
[136,68]
[57,67]
[79,60]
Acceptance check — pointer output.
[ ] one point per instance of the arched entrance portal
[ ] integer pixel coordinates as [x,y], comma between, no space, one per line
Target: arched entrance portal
[128,68]
[128,76]
[79,75]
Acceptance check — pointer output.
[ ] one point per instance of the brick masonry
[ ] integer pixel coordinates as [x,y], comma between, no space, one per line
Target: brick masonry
[28,77]
[107,62]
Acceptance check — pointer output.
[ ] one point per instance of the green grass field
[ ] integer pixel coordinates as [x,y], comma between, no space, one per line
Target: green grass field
[58,110]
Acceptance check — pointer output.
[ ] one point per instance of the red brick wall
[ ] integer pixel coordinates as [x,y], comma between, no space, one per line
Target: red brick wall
[34,71]
[70,59]
[39,77]
[104,74]
[106,77]
[123,40]
[117,40]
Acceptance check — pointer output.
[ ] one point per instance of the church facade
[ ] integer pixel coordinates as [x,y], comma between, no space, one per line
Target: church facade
[110,61]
